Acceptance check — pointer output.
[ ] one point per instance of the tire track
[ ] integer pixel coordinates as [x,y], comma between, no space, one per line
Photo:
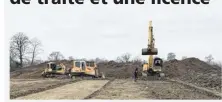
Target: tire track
[199,89]
[96,92]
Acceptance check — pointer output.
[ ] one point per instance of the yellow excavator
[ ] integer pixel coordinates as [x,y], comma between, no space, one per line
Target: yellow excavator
[154,65]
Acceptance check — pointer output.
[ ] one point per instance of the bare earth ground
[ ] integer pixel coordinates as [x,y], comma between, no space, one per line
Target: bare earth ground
[78,90]
[127,89]
[20,87]
[26,81]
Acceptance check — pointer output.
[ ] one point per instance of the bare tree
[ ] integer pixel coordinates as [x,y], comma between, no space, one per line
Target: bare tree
[137,59]
[13,58]
[97,60]
[19,44]
[55,56]
[184,57]
[124,58]
[209,58]
[171,56]
[119,59]
[219,64]
[71,58]
[100,60]
[35,49]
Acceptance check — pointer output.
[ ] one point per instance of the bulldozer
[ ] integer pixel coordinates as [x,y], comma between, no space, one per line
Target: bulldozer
[52,69]
[85,69]
[154,65]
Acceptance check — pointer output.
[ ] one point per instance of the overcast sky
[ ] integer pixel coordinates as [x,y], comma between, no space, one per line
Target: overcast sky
[107,31]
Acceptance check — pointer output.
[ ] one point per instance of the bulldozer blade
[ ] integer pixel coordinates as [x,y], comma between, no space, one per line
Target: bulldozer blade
[146,51]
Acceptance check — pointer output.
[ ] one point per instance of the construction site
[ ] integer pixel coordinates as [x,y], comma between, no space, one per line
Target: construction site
[188,78]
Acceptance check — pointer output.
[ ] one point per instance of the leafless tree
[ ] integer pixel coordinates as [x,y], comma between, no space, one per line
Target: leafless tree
[119,59]
[12,53]
[19,45]
[13,58]
[124,58]
[184,57]
[55,56]
[209,58]
[137,59]
[97,60]
[71,58]
[171,56]
[100,60]
[35,49]
[219,64]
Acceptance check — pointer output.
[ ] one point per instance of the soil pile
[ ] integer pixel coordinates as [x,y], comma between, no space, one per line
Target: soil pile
[195,71]
[191,70]
[119,70]
[35,70]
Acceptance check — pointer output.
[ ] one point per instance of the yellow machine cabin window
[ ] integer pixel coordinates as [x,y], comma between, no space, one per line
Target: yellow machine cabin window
[77,64]
[58,67]
[83,66]
[53,66]
[87,64]
[90,64]
[158,62]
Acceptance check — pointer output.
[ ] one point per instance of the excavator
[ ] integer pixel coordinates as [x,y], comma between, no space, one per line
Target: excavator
[155,64]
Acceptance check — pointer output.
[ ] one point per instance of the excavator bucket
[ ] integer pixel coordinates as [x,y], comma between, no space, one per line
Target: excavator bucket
[146,51]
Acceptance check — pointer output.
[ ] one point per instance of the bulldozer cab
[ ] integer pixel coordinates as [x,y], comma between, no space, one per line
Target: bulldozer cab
[91,64]
[51,65]
[54,66]
[80,65]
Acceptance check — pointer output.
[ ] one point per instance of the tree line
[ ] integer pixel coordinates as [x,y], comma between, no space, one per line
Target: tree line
[25,51]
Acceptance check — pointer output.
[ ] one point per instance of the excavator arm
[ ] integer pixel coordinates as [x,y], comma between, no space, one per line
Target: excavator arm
[150,50]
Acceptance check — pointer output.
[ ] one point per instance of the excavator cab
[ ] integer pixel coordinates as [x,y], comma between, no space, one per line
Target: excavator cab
[158,62]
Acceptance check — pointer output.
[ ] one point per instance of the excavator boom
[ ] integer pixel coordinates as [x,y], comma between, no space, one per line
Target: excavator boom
[150,50]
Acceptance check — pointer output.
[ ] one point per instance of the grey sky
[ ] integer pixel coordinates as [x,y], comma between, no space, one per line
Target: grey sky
[108,31]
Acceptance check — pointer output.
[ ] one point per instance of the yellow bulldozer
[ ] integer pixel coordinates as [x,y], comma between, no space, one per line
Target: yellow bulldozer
[78,69]
[85,69]
[153,65]
[52,69]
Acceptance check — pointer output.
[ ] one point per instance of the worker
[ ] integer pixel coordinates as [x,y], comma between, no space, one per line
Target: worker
[135,74]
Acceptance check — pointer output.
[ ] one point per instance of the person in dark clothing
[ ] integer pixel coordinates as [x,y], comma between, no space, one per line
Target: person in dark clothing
[135,74]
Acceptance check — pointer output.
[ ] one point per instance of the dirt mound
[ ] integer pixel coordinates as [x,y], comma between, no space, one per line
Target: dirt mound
[191,70]
[119,70]
[34,71]
[194,71]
